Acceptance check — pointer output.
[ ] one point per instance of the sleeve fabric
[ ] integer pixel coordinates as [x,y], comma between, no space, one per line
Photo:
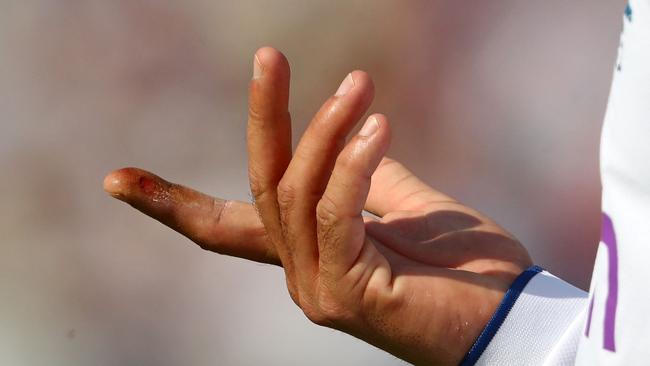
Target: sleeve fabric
[539,322]
[543,320]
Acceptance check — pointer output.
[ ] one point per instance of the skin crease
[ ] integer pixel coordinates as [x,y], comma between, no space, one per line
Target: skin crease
[420,282]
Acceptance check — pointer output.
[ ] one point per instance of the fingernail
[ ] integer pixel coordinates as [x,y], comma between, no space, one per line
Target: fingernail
[371,126]
[345,86]
[257,68]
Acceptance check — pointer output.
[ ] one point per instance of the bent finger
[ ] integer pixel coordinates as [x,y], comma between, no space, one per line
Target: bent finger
[341,229]
[226,227]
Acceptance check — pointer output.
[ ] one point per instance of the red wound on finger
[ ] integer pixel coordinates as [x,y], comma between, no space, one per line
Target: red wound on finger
[147,185]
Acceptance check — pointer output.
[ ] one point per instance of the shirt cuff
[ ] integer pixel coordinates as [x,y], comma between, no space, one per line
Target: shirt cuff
[538,321]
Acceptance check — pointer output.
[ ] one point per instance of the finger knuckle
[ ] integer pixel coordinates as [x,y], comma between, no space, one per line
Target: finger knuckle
[352,163]
[210,237]
[346,161]
[316,317]
[327,211]
[327,220]
[256,183]
[255,116]
[332,310]
[322,317]
[293,292]
[286,195]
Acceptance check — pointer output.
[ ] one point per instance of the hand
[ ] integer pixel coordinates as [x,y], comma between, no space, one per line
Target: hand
[420,283]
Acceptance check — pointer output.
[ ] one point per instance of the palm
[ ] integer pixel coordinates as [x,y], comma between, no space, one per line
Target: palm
[422,226]
[437,253]
[448,235]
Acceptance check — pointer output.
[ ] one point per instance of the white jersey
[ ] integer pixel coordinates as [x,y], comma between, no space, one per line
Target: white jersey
[544,320]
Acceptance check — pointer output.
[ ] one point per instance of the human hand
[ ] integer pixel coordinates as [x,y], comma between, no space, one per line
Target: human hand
[421,282]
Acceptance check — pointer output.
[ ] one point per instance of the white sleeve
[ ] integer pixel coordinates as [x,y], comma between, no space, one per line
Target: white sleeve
[539,322]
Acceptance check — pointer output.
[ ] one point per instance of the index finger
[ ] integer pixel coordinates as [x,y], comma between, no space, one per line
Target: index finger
[269,137]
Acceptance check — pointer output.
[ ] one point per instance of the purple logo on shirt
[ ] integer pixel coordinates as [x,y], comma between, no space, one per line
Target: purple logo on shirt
[608,237]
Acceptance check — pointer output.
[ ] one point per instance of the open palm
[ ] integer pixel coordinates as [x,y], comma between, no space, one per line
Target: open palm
[421,281]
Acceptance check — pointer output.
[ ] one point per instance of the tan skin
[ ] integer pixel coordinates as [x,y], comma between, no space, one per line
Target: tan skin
[421,282]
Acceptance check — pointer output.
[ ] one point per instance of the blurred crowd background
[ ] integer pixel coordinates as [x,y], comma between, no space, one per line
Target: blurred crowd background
[498,103]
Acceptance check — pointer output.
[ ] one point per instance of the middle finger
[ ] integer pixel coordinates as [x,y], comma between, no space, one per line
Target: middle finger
[305,179]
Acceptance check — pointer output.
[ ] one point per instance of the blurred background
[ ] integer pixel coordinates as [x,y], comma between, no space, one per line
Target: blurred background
[497,103]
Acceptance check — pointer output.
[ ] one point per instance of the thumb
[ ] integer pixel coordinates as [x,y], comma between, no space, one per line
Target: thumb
[395,188]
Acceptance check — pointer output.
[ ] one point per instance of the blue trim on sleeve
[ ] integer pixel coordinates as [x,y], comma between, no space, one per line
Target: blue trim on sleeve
[499,316]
